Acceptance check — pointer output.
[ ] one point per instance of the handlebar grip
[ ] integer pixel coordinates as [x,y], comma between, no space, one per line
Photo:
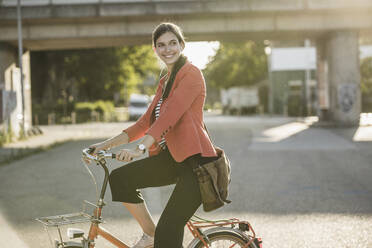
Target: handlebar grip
[113,155]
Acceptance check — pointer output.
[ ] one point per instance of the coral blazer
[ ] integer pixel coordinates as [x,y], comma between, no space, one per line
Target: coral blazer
[180,119]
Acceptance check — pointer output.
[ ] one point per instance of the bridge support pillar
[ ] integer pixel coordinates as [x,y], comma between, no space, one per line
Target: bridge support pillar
[339,78]
[10,89]
[8,58]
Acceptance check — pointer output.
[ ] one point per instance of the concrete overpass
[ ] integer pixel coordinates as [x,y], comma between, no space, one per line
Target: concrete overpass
[51,24]
[334,25]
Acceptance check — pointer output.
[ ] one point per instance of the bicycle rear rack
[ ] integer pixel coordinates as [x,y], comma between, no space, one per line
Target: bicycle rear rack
[73,218]
[65,219]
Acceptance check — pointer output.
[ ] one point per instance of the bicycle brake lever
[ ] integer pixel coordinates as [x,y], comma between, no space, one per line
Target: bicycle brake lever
[91,150]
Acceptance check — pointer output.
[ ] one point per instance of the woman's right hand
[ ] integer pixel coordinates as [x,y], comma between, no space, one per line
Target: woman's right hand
[96,148]
[99,147]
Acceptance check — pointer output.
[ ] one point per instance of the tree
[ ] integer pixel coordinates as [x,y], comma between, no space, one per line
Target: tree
[90,75]
[237,64]
[62,78]
[366,84]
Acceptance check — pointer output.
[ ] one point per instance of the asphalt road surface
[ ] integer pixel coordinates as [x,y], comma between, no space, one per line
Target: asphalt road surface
[298,186]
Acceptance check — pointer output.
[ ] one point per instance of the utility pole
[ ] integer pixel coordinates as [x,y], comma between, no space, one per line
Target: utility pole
[20,53]
[307,84]
[268,51]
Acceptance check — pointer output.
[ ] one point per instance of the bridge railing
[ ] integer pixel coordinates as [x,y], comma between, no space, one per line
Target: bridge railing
[11,3]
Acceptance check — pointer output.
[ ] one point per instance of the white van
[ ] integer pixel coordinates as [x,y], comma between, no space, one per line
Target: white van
[138,105]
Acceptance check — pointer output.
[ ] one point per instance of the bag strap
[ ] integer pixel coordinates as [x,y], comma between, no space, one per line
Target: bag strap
[206,129]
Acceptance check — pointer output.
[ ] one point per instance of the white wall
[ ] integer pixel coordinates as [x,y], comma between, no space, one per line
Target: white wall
[302,58]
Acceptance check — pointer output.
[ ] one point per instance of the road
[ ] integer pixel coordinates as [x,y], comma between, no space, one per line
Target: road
[299,186]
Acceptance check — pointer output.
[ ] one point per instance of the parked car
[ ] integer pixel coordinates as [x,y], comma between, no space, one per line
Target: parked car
[138,105]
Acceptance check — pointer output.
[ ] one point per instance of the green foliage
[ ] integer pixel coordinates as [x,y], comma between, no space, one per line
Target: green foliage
[84,107]
[22,134]
[63,78]
[237,64]
[366,84]
[9,134]
[104,107]
[102,110]
[6,135]
[366,73]
[83,111]
[2,138]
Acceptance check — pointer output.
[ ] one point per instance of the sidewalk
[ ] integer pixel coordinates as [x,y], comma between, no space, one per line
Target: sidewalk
[56,134]
[8,234]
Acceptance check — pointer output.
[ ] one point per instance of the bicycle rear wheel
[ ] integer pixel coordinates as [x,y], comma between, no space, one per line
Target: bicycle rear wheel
[224,239]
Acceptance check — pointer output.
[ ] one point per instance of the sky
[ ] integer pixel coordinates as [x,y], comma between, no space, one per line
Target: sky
[199,52]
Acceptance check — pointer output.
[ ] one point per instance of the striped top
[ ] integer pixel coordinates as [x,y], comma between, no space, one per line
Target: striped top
[162,143]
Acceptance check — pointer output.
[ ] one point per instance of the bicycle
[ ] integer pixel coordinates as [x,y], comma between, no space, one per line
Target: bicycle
[221,233]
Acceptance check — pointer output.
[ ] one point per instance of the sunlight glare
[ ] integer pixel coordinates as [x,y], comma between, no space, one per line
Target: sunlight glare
[282,132]
[200,52]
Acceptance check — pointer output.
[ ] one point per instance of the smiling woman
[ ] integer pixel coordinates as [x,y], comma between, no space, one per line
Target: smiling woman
[169,48]
[172,131]
[168,42]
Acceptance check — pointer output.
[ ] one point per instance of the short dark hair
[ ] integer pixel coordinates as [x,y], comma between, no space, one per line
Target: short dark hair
[167,27]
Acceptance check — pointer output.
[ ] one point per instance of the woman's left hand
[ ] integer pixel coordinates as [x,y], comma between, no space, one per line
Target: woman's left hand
[127,155]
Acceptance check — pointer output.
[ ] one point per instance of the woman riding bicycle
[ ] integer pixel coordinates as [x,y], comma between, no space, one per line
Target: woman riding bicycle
[172,131]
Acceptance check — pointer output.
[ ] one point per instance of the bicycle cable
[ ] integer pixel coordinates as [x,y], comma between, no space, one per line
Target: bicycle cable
[205,220]
[92,176]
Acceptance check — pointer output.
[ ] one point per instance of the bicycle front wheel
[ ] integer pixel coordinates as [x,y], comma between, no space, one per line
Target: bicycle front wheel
[224,239]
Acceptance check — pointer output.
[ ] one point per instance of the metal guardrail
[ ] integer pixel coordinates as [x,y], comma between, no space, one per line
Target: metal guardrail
[12,3]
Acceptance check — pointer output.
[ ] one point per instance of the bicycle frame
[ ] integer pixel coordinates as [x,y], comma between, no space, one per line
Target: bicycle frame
[194,227]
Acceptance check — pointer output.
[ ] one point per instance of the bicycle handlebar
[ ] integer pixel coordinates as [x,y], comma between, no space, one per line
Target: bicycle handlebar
[87,153]
[99,157]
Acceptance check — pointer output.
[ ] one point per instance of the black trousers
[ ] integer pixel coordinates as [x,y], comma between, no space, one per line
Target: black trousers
[161,170]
